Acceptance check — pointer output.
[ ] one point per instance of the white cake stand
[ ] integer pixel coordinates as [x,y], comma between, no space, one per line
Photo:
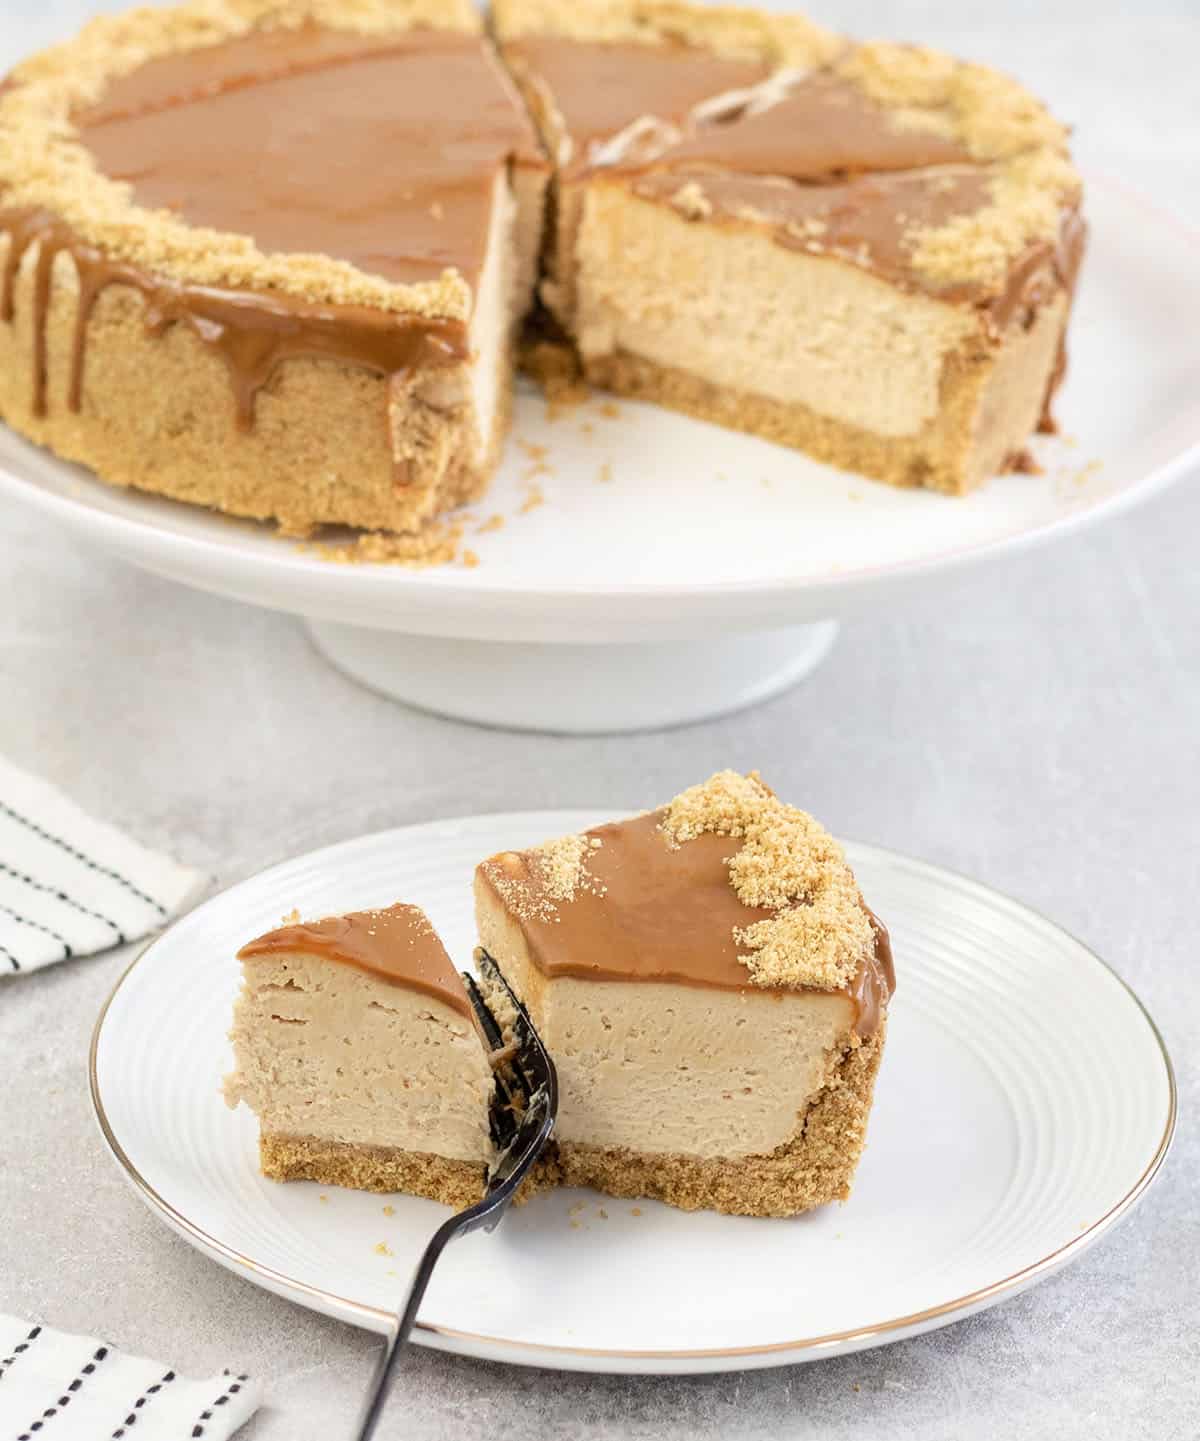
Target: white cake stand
[674,571]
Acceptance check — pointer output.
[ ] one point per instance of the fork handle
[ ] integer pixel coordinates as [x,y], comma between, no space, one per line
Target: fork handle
[400,1332]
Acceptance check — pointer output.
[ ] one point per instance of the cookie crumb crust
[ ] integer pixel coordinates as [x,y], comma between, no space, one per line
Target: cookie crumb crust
[794,41]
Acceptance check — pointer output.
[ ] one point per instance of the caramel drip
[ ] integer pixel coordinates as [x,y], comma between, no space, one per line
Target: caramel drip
[875,983]
[397,944]
[254,334]
[1072,243]
[647,912]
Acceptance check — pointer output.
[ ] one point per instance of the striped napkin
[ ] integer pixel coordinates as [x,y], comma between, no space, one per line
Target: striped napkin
[70,885]
[75,1388]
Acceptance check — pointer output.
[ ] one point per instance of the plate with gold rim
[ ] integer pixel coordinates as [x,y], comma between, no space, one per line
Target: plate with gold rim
[1025,1104]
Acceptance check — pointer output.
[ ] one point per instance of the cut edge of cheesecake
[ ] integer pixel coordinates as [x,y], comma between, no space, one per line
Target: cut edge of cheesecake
[393,404]
[969,320]
[357,1049]
[666,1040]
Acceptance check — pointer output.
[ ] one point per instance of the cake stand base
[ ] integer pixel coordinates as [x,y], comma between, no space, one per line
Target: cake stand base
[576,689]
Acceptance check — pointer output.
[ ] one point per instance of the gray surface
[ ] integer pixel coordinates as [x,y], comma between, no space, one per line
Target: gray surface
[1037,725]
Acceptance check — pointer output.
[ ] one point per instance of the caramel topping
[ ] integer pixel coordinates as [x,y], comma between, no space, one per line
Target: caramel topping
[312,141]
[627,904]
[874,982]
[643,912]
[814,128]
[398,945]
[597,90]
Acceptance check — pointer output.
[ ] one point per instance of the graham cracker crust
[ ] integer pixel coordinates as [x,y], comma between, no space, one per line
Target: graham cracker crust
[814,1168]
[371,1168]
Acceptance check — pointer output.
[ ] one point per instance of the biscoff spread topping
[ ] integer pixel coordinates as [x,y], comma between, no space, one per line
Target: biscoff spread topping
[46,162]
[723,886]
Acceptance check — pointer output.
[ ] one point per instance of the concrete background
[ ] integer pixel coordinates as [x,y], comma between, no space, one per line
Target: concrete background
[1037,726]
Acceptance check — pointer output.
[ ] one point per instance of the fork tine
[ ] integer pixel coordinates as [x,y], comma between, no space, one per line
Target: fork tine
[503,1112]
[531,1053]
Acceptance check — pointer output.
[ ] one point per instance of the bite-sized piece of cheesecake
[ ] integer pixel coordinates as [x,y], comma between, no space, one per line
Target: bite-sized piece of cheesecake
[714,992]
[270,255]
[865,251]
[356,1047]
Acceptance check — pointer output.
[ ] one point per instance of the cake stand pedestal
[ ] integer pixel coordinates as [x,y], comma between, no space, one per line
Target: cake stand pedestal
[577,689]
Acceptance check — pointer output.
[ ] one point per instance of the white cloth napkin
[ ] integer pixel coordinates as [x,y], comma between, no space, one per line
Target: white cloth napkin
[75,1388]
[70,885]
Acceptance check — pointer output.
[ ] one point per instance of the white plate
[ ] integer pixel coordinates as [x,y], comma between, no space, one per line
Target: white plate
[701,526]
[1025,1103]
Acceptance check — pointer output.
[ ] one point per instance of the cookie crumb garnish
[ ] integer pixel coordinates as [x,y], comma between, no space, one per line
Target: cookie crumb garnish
[787,863]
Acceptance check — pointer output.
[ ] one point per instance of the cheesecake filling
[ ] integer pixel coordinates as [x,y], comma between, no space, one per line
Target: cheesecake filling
[356,1030]
[309,142]
[333,1053]
[686,1070]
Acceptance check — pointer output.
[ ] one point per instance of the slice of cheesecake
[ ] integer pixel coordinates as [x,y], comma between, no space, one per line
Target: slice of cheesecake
[713,991]
[357,1049]
[269,255]
[864,251]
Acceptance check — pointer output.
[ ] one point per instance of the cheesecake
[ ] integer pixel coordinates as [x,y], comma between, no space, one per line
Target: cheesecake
[270,256]
[274,257]
[357,1048]
[867,252]
[713,990]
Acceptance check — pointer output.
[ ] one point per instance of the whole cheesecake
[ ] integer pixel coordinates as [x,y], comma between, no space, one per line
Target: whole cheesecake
[272,256]
[269,255]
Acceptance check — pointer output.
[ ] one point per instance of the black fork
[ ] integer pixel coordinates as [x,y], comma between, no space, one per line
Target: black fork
[523,1111]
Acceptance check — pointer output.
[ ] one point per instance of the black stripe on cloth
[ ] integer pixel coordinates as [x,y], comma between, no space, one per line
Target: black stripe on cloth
[82,859]
[147,1395]
[66,899]
[19,1350]
[16,965]
[66,1398]
[207,1414]
[45,930]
